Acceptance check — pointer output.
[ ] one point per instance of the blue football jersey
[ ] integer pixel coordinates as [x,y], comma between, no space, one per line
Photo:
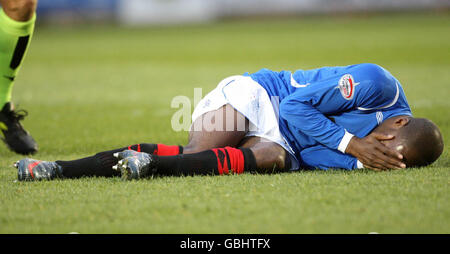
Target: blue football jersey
[321,109]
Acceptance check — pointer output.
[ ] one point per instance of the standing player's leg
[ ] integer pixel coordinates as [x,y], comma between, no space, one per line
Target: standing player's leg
[17,20]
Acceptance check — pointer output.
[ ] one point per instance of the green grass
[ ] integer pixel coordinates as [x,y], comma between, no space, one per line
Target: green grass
[94,88]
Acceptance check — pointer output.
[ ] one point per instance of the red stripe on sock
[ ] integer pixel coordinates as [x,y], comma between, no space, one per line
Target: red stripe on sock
[236,160]
[164,150]
[138,148]
[225,166]
[219,165]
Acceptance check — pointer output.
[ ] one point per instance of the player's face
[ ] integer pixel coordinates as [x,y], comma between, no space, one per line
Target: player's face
[393,126]
[396,143]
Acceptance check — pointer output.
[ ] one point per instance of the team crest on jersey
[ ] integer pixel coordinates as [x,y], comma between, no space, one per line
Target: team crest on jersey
[347,86]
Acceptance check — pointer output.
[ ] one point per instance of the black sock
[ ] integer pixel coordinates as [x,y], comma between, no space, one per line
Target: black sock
[101,163]
[210,162]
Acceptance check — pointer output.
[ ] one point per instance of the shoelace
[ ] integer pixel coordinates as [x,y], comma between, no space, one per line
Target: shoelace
[17,114]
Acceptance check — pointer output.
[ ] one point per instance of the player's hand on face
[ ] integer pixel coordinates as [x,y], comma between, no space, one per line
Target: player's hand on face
[373,154]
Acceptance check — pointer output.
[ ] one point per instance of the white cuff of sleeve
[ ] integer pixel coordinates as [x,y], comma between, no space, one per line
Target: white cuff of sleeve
[344,141]
[359,164]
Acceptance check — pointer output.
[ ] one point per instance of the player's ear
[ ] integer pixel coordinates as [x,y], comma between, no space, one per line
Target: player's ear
[401,121]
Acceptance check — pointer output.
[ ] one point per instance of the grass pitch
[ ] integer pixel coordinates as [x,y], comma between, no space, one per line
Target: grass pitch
[95,88]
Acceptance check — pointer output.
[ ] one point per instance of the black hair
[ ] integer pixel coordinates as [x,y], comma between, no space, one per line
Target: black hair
[423,142]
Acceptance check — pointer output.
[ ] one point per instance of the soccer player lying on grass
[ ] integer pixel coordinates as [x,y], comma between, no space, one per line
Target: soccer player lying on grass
[333,117]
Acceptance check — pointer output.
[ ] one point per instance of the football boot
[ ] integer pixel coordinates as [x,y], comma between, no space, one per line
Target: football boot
[134,165]
[14,135]
[34,170]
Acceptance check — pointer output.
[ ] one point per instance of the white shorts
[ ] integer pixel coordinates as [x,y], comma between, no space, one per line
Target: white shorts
[250,99]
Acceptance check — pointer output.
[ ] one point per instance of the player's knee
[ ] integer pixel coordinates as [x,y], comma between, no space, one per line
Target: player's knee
[20,10]
[279,159]
[269,156]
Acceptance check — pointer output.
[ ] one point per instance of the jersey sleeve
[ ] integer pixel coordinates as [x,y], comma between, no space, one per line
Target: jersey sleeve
[325,158]
[364,87]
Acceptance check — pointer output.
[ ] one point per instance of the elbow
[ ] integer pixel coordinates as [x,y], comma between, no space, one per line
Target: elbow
[382,88]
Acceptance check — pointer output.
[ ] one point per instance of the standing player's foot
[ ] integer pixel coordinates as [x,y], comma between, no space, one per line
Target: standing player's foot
[15,136]
[135,165]
[33,170]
